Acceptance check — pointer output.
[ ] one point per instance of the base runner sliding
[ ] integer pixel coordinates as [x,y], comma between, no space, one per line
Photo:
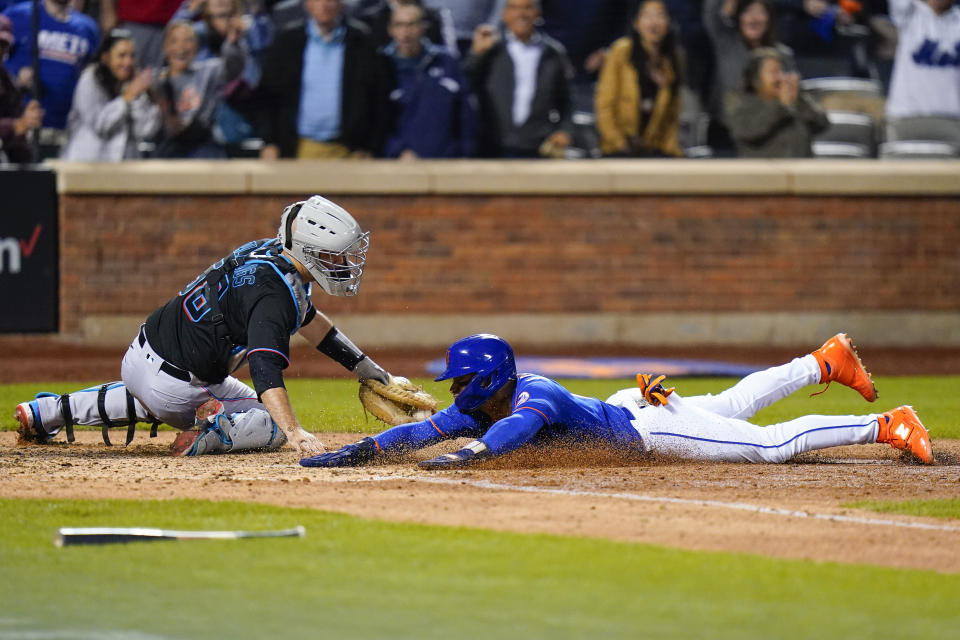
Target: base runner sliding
[504,410]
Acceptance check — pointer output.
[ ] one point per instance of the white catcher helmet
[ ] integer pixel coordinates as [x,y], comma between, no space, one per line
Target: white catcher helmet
[328,242]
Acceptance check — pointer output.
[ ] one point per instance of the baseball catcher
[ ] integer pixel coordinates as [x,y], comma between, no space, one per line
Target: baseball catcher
[503,411]
[241,310]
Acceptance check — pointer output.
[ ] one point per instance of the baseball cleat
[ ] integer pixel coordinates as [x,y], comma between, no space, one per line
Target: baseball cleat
[901,429]
[184,442]
[29,429]
[839,362]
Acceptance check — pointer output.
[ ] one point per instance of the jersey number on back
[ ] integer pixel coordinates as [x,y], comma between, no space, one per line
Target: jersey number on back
[195,303]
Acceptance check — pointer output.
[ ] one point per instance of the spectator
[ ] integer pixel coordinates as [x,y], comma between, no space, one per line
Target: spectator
[111,109]
[638,93]
[212,20]
[924,99]
[16,122]
[736,28]
[67,40]
[771,118]
[438,23]
[467,15]
[435,114]
[189,91]
[146,20]
[522,82]
[324,87]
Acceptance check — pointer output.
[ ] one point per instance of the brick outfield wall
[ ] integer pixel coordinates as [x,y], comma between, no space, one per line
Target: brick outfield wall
[125,254]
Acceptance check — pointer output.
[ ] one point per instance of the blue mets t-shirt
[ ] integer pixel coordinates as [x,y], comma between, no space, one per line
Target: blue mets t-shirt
[65,48]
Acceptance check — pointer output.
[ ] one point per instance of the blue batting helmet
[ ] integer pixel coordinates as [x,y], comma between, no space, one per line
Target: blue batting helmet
[489,358]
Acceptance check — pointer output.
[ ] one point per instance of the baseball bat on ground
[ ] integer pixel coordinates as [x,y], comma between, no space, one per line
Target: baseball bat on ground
[107,535]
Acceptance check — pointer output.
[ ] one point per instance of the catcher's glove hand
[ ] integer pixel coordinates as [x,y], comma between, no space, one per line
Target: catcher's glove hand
[399,402]
[352,455]
[653,391]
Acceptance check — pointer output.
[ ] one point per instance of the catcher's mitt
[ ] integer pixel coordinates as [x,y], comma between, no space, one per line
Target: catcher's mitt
[399,402]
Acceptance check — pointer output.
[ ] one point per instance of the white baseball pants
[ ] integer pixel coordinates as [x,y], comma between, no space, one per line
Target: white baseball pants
[715,427]
[156,393]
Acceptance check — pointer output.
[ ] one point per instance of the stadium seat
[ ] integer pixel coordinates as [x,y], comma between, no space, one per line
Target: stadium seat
[693,129]
[935,128]
[919,150]
[248,148]
[146,148]
[841,150]
[850,127]
[585,143]
[860,95]
[698,152]
[818,87]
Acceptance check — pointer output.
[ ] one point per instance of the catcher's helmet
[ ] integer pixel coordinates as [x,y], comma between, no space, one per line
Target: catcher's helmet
[328,242]
[489,358]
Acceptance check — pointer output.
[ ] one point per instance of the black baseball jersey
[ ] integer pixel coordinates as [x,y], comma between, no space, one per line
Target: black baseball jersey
[262,299]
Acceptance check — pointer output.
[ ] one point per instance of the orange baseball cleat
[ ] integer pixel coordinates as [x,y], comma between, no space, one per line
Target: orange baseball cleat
[839,362]
[902,429]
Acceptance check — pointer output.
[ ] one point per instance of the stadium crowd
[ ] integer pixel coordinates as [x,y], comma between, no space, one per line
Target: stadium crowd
[118,79]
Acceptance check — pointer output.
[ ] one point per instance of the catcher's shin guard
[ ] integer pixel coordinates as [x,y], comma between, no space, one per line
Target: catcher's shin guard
[114,400]
[246,431]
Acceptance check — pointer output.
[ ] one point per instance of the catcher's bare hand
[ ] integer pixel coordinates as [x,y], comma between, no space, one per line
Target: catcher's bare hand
[653,391]
[305,443]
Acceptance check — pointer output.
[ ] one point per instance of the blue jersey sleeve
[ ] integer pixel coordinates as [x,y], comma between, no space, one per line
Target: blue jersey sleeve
[534,409]
[444,425]
[513,431]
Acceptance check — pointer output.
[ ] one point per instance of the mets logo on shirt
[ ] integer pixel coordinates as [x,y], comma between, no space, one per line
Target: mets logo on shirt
[523,397]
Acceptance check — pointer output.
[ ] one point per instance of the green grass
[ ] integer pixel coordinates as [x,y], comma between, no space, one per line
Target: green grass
[946,508]
[354,578]
[332,405]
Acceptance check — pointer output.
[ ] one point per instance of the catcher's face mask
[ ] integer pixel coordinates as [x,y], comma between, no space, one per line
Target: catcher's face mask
[328,242]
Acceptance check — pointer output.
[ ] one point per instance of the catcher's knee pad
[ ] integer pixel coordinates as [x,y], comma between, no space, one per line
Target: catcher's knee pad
[244,431]
[254,429]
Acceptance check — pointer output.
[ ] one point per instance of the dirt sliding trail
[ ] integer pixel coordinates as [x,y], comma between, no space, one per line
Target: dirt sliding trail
[789,511]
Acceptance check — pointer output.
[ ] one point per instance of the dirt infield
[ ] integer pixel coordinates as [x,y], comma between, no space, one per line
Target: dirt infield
[791,511]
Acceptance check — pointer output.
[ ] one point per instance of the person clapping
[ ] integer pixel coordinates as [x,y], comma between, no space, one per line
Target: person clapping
[189,91]
[112,111]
